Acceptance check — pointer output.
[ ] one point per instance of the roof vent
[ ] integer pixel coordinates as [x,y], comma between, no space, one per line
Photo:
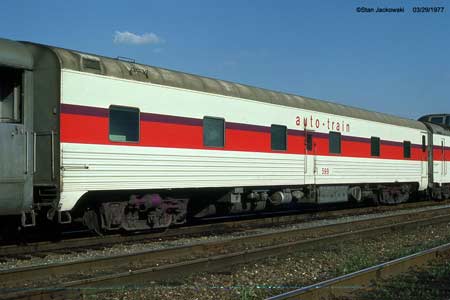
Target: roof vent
[89,63]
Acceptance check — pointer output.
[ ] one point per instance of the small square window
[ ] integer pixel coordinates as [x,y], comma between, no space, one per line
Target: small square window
[278,137]
[375,146]
[123,124]
[335,142]
[407,149]
[213,132]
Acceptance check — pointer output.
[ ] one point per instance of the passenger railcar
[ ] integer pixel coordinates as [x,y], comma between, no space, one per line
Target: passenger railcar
[439,149]
[116,144]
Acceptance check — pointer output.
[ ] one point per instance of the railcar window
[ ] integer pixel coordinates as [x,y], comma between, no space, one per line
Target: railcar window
[278,137]
[335,142]
[406,149]
[437,120]
[309,141]
[375,146]
[123,124]
[447,122]
[424,143]
[213,132]
[10,95]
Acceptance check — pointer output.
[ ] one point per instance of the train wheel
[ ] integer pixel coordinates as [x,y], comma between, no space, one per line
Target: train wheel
[91,221]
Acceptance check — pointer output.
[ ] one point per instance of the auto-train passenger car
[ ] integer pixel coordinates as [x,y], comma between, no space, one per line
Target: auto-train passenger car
[119,145]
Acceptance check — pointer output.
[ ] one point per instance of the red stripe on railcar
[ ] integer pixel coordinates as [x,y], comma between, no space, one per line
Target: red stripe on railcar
[439,155]
[79,124]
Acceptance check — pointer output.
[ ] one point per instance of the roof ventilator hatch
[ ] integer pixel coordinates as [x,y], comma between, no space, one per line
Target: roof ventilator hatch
[90,62]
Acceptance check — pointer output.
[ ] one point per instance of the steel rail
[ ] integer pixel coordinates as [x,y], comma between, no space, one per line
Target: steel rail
[85,242]
[153,256]
[213,263]
[345,286]
[49,246]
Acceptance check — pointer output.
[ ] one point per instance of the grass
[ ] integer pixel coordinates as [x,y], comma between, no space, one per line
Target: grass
[247,293]
[431,283]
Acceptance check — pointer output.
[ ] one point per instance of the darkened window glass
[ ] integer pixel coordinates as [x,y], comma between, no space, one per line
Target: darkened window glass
[335,142]
[437,120]
[123,124]
[375,146]
[447,122]
[10,95]
[424,143]
[213,132]
[406,149]
[309,141]
[278,135]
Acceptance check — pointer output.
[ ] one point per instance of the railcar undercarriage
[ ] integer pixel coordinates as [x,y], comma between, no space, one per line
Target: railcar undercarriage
[144,210]
[440,192]
[239,200]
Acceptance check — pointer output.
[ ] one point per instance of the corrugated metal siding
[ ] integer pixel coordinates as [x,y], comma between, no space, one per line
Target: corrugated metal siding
[98,167]
[369,170]
[103,167]
[132,71]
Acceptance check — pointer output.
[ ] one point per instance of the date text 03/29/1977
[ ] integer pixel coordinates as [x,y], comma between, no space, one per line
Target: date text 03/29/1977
[415,9]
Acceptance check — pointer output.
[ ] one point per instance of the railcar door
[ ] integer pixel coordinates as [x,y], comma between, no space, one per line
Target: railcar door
[443,162]
[310,159]
[15,140]
[424,162]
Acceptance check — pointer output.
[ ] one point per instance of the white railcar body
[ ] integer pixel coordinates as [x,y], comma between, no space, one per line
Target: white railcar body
[93,166]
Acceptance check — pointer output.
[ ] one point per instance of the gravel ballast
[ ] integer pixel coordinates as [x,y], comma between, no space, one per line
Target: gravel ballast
[280,274]
[119,249]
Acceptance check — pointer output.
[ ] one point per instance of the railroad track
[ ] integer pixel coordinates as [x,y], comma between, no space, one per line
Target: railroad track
[169,263]
[34,248]
[346,286]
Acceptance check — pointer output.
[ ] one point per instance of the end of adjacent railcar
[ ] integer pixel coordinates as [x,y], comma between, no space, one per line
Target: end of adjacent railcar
[439,156]
[16,131]
[29,132]
[440,119]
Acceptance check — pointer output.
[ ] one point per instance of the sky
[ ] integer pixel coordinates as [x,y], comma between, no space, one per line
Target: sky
[396,63]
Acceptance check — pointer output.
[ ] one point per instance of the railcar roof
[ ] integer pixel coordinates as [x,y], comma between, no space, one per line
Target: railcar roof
[83,62]
[15,55]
